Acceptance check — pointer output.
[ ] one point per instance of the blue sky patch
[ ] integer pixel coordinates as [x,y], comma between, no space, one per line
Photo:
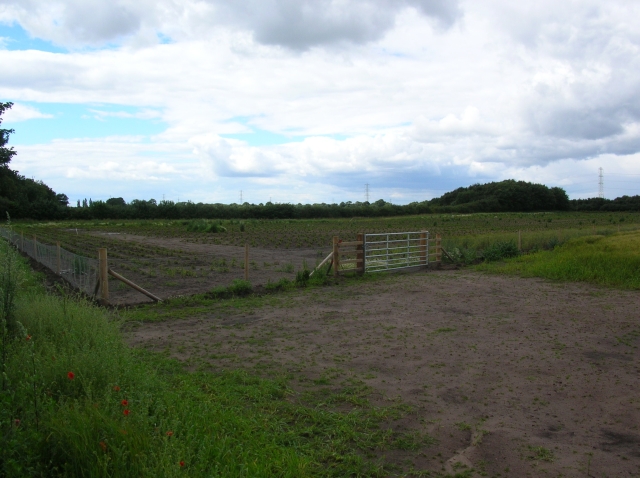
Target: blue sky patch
[71,121]
[14,37]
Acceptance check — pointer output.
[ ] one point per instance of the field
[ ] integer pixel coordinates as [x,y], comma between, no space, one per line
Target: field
[173,258]
[507,376]
[486,370]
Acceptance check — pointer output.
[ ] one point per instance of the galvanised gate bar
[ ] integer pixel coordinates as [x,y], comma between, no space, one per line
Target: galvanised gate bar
[397,250]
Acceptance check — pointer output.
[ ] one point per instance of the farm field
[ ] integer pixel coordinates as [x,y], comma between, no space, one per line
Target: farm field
[169,258]
[508,376]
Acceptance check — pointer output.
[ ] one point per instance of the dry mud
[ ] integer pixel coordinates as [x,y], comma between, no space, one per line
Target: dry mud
[513,377]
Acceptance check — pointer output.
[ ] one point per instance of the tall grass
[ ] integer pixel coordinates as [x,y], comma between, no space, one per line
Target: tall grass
[612,260]
[472,247]
[77,401]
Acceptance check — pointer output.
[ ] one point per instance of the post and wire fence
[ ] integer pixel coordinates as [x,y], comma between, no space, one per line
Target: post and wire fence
[87,275]
[83,273]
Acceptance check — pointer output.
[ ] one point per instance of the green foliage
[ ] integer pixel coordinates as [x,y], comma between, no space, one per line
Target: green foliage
[302,277]
[238,288]
[509,195]
[612,260]
[79,402]
[201,225]
[500,250]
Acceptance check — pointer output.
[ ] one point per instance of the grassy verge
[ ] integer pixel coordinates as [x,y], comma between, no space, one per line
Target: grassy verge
[612,260]
[76,401]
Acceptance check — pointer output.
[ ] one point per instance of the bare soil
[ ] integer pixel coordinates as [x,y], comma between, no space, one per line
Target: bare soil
[513,377]
[182,267]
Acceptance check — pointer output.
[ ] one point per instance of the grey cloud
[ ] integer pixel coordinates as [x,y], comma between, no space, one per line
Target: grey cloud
[300,24]
[294,24]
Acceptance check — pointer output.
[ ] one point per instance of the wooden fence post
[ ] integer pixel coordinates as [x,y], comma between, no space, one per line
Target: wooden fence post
[336,255]
[35,248]
[58,258]
[22,241]
[104,276]
[423,248]
[519,241]
[438,249]
[360,254]
[246,262]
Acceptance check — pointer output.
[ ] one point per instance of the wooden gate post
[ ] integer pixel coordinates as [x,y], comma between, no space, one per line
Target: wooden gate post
[423,248]
[336,255]
[58,258]
[360,253]
[438,249]
[104,276]
[246,262]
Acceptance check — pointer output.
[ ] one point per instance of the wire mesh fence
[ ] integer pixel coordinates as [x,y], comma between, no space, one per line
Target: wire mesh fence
[80,271]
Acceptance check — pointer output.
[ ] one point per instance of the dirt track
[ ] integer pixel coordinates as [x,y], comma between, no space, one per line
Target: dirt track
[496,367]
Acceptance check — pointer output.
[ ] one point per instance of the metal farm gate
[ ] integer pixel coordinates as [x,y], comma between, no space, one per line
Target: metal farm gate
[395,250]
[383,252]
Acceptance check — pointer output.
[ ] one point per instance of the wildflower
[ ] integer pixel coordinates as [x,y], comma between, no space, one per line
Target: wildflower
[126,412]
[124,403]
[124,432]
[71,375]
[28,338]
[16,422]
[181,463]
[116,388]
[103,445]
[169,433]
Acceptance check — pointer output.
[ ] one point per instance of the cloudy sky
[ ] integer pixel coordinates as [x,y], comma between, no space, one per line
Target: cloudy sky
[309,100]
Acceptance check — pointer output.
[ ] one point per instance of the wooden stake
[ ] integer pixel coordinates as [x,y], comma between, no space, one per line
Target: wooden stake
[134,286]
[519,241]
[22,241]
[246,262]
[336,255]
[423,247]
[104,276]
[438,248]
[58,258]
[360,253]
[35,248]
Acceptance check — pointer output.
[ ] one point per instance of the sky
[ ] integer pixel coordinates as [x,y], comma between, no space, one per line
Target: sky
[307,101]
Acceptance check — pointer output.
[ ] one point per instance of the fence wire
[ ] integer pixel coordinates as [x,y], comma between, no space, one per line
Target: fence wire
[81,272]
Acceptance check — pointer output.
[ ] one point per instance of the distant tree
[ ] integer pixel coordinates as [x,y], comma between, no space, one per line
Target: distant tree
[116,202]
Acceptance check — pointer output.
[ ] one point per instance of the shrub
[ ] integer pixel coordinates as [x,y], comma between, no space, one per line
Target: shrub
[500,250]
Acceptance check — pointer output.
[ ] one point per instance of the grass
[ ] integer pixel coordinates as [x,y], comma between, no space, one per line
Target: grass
[77,401]
[611,260]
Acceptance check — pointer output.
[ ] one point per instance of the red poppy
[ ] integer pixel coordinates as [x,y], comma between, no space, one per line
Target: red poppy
[17,422]
[126,412]
[116,388]
[71,375]
[169,433]
[28,337]
[124,403]
[181,463]
[103,445]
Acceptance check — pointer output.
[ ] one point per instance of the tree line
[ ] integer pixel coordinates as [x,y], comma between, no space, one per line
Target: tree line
[21,197]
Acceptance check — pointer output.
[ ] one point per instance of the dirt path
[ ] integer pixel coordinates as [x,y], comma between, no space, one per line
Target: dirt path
[516,377]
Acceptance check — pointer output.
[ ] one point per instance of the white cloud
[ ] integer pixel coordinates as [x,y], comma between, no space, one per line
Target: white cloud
[19,112]
[422,94]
